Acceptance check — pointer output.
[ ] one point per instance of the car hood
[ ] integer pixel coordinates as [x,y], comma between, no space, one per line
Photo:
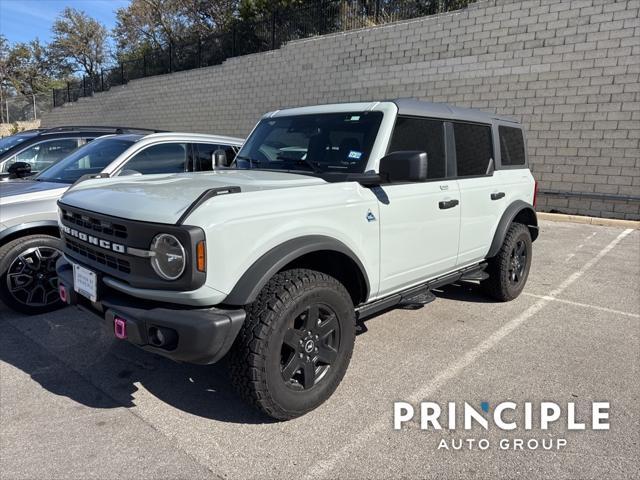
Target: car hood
[164,198]
[12,191]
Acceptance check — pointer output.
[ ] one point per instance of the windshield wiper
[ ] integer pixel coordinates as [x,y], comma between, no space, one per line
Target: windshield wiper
[297,160]
[250,160]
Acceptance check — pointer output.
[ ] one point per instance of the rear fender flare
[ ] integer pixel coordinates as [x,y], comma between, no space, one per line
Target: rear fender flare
[519,209]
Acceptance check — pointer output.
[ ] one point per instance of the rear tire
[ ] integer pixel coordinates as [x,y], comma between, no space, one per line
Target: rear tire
[295,345]
[28,280]
[509,269]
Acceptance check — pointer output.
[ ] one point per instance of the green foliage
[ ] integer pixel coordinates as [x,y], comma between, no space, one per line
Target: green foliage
[15,128]
[29,69]
[256,9]
[149,24]
[79,42]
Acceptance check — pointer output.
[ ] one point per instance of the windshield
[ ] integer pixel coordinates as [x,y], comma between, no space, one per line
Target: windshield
[13,140]
[331,142]
[90,159]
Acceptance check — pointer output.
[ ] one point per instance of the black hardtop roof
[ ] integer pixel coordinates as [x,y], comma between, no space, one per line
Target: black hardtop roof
[413,107]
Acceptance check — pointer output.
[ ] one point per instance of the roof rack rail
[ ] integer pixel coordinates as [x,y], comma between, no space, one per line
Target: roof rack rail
[65,128]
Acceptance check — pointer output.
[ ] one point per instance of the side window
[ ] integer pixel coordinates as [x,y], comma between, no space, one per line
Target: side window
[204,155]
[511,146]
[474,149]
[162,158]
[424,135]
[44,154]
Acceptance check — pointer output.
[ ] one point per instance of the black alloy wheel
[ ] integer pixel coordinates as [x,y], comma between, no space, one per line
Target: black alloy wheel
[28,280]
[309,347]
[518,262]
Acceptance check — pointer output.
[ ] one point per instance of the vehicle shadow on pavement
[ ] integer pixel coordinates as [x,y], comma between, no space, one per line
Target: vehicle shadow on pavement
[88,366]
[463,292]
[69,355]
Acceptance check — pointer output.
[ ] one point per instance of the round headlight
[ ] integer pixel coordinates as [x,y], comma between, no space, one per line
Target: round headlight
[169,257]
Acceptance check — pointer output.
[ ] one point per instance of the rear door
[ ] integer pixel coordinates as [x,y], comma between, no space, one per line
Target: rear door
[419,222]
[482,196]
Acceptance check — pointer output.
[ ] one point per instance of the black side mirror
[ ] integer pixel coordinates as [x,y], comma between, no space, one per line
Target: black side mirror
[404,166]
[219,158]
[19,169]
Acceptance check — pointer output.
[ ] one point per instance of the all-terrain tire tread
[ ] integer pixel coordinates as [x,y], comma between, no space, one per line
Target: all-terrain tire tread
[497,285]
[247,357]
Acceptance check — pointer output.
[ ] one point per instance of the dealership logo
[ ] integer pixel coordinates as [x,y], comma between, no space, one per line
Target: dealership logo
[98,242]
[505,416]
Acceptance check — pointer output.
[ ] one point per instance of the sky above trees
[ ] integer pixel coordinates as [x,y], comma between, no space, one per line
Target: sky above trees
[45,43]
[24,20]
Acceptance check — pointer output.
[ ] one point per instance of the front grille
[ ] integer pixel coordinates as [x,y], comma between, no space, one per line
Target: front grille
[98,256]
[102,242]
[91,223]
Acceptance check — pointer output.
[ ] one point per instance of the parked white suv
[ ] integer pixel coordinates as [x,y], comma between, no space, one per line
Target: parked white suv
[334,213]
[29,244]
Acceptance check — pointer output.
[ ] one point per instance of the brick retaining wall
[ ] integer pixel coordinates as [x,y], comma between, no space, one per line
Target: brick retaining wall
[567,69]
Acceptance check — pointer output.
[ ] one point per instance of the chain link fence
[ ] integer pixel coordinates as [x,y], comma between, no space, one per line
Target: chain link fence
[254,36]
[24,108]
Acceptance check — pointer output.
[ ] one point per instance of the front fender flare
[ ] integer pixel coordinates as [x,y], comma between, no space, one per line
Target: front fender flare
[517,208]
[256,277]
[27,226]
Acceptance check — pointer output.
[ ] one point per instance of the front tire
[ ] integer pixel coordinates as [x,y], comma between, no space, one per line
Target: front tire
[28,280]
[295,345]
[509,269]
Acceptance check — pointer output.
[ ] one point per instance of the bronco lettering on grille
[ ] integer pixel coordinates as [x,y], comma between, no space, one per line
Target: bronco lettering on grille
[106,244]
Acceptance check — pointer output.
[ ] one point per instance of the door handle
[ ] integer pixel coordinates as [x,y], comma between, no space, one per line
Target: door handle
[497,196]
[443,205]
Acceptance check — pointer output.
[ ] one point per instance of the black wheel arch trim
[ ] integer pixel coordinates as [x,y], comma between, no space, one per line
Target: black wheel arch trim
[508,217]
[7,232]
[257,275]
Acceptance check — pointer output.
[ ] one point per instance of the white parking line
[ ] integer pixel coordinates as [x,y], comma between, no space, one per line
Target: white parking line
[571,255]
[323,468]
[585,305]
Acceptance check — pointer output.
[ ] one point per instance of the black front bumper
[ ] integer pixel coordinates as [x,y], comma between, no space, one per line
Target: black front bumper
[194,335]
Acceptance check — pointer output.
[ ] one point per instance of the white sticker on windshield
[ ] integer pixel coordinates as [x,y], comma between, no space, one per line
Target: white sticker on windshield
[355,155]
[355,118]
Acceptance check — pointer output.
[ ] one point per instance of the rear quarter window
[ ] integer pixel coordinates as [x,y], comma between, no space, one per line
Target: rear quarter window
[511,146]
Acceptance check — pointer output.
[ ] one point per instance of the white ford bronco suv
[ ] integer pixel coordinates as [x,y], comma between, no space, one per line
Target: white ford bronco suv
[332,214]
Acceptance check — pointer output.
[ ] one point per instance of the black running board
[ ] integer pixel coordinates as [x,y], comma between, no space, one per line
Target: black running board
[476,275]
[411,297]
[416,301]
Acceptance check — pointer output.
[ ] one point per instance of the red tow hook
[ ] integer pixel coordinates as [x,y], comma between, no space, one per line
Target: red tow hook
[120,328]
[62,292]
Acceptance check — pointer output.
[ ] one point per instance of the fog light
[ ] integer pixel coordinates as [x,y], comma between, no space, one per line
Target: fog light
[63,293]
[120,328]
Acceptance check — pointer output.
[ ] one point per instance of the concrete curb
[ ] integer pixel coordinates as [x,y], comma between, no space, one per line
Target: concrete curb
[607,222]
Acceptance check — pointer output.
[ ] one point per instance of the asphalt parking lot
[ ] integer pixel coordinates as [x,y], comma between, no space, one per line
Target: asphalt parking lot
[76,403]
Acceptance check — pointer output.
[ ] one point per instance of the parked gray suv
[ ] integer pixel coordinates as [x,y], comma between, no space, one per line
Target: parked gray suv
[29,236]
